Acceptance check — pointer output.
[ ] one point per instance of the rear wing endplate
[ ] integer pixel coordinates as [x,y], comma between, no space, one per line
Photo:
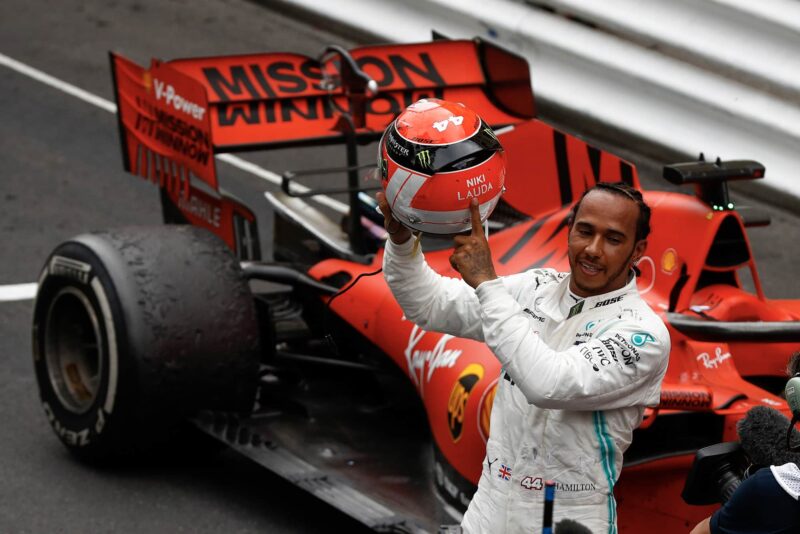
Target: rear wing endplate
[164,124]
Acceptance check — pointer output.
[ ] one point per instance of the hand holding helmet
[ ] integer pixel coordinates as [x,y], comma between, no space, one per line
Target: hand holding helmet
[442,171]
[397,232]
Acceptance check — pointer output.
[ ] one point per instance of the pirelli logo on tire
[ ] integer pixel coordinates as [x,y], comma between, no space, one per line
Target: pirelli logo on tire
[69,268]
[457,405]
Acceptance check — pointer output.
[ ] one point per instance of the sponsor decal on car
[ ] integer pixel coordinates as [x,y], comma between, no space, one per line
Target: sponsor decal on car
[669,260]
[712,362]
[173,133]
[457,404]
[423,363]
[671,399]
[171,97]
[201,209]
[485,410]
[277,79]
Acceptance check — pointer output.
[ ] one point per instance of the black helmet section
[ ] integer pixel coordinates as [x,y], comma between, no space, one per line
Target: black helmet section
[432,159]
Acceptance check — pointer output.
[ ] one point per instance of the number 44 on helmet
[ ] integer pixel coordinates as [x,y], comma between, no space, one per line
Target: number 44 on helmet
[434,159]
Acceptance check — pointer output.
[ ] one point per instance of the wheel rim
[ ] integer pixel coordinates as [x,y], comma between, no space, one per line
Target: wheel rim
[73,350]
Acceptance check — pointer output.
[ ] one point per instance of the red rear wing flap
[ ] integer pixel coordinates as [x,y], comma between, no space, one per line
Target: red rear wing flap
[164,124]
[175,115]
[282,98]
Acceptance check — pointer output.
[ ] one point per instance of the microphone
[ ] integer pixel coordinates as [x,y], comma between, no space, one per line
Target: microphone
[762,434]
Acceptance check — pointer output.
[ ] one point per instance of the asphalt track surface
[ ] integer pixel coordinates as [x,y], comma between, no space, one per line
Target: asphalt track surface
[62,175]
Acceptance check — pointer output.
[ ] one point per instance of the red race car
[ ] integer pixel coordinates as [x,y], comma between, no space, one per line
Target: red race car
[306,364]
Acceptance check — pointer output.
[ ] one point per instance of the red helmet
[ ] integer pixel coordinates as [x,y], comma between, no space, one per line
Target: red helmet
[434,158]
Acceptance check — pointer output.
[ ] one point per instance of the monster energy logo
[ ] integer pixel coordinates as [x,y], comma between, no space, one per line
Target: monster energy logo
[424,158]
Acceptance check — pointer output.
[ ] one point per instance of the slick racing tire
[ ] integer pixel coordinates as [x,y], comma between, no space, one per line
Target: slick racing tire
[136,329]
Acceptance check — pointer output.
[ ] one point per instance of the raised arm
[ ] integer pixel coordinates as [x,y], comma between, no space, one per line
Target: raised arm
[428,299]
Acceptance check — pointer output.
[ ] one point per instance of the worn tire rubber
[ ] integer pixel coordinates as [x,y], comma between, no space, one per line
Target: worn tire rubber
[134,330]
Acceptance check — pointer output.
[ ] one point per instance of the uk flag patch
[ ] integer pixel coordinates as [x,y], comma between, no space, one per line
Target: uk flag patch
[504,472]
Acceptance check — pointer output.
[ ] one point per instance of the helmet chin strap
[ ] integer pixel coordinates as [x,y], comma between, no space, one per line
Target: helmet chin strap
[417,244]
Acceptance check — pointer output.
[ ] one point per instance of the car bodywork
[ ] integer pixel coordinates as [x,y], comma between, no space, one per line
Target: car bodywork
[729,344]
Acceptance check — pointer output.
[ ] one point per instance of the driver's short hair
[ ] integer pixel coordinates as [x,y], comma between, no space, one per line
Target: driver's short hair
[624,190]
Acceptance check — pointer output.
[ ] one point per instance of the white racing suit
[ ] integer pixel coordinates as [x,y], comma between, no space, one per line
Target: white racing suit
[574,386]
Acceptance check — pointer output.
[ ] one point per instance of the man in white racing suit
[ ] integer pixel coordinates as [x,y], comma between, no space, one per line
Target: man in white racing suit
[582,357]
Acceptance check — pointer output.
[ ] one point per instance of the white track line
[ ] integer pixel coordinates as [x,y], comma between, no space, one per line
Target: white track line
[58,84]
[17,292]
[28,291]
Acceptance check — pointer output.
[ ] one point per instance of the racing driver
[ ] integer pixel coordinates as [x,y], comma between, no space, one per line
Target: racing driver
[582,356]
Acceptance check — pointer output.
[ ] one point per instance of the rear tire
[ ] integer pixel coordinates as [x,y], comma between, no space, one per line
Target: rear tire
[136,329]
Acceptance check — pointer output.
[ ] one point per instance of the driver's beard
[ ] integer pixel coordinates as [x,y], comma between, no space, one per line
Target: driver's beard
[626,266]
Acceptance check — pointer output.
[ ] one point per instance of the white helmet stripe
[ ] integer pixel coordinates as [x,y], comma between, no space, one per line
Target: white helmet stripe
[403,186]
[396,181]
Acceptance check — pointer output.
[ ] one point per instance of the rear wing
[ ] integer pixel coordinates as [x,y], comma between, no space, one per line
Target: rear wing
[175,115]
[164,124]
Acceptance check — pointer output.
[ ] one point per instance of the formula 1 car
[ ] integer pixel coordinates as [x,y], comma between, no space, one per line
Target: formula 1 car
[305,364]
